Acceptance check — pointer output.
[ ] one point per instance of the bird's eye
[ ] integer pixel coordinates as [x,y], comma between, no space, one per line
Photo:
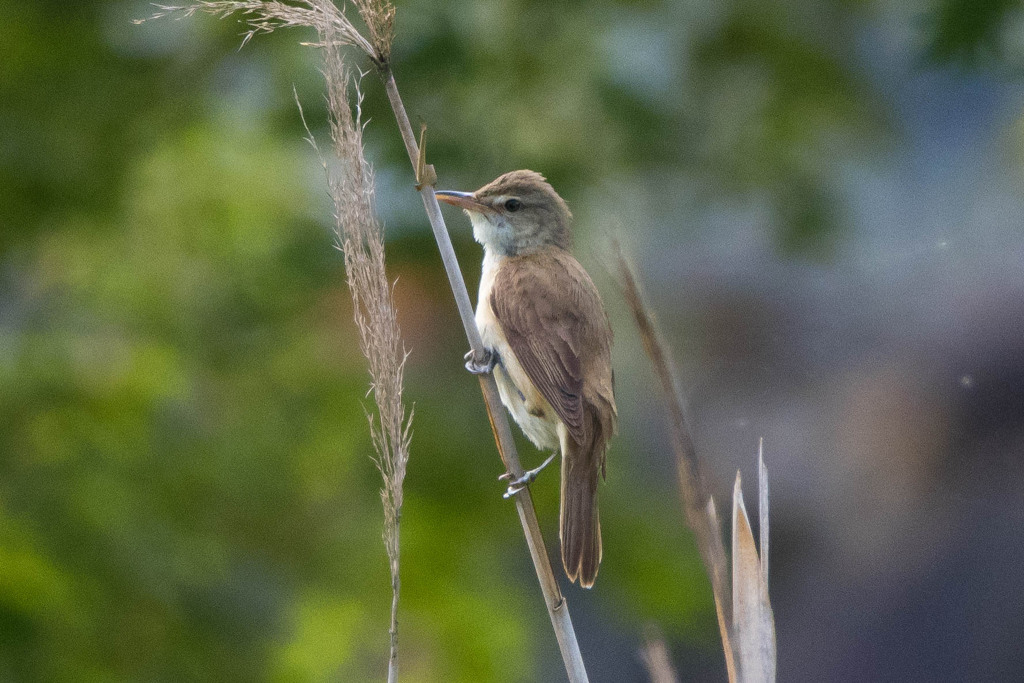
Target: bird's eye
[513,204]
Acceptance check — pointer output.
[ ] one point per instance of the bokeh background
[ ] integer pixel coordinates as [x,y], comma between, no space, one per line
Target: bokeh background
[825,200]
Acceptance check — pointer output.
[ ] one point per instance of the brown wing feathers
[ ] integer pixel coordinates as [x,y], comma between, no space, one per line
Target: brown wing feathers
[544,340]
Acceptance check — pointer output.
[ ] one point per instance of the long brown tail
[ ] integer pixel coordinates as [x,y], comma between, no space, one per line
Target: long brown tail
[579,523]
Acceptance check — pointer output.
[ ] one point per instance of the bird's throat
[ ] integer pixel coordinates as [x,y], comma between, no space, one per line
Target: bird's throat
[493,232]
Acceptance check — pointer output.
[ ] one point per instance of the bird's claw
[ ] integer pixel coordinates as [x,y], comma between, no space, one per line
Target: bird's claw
[520,483]
[481,365]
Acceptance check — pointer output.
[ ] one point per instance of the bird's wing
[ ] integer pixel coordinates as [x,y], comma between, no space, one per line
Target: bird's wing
[535,300]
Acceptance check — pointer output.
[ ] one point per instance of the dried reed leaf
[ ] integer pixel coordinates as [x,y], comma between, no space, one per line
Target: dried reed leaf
[698,506]
[762,508]
[753,625]
[656,660]
[723,624]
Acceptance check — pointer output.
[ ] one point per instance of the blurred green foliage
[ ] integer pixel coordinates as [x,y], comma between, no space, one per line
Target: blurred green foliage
[971,31]
[185,487]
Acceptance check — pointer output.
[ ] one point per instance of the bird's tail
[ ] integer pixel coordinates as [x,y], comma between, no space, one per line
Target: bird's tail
[579,523]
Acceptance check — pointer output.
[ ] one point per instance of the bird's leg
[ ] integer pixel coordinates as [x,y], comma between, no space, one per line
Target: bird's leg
[517,485]
[483,364]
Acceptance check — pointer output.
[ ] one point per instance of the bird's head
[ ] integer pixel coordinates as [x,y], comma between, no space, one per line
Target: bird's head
[517,213]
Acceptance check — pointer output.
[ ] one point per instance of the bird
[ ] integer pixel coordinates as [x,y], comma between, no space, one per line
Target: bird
[547,341]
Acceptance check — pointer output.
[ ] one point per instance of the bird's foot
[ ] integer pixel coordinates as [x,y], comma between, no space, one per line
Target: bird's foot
[481,365]
[520,483]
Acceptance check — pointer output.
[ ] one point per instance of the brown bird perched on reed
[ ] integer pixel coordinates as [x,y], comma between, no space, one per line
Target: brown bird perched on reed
[548,344]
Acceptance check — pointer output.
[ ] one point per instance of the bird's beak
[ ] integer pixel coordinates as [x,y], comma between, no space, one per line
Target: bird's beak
[463,200]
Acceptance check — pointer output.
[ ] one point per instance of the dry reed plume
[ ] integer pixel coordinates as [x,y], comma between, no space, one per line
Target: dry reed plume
[264,16]
[357,230]
[360,238]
